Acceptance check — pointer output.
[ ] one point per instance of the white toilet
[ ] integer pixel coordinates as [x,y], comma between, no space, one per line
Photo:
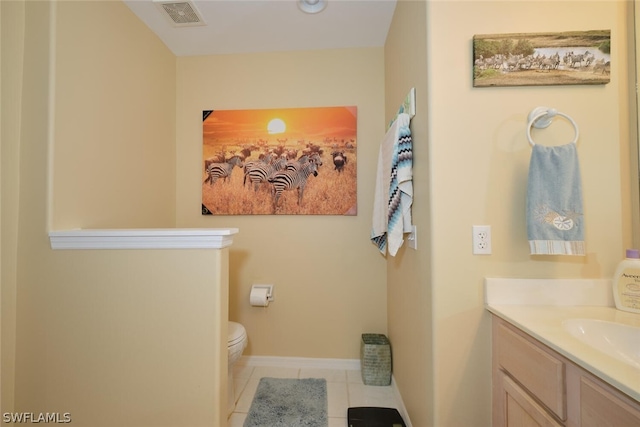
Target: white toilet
[236,344]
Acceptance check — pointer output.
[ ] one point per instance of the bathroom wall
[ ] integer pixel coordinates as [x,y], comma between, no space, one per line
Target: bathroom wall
[323,302]
[472,170]
[114,153]
[25,66]
[120,337]
[409,290]
[329,279]
[477,157]
[12,48]
[112,337]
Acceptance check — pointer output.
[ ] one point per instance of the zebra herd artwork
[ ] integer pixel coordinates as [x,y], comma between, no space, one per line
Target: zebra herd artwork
[222,170]
[529,59]
[284,171]
[292,178]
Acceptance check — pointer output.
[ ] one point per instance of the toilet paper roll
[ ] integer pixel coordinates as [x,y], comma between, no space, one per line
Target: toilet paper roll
[259,297]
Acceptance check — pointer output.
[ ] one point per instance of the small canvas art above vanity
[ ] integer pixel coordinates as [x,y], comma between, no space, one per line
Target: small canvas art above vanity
[533,59]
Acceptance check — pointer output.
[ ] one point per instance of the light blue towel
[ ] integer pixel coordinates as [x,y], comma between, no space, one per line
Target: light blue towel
[555,223]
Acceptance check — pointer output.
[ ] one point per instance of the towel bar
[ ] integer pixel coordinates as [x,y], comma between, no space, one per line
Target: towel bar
[408,106]
[541,117]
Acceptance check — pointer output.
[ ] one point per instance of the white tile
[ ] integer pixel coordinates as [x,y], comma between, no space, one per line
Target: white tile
[369,395]
[238,386]
[331,375]
[354,377]
[242,371]
[344,389]
[246,397]
[337,399]
[237,420]
[274,372]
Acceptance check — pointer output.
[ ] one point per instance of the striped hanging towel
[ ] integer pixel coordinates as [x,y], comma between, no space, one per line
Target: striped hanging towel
[394,188]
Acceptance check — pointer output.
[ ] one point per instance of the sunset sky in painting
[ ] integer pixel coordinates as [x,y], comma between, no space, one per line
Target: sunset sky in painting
[314,124]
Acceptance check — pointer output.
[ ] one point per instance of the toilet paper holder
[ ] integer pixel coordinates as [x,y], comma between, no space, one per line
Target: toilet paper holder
[269,289]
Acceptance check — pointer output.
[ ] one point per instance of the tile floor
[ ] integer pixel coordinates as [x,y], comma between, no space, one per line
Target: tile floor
[344,389]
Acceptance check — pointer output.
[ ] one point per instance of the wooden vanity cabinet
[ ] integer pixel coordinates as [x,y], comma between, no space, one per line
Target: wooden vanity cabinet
[534,385]
[519,408]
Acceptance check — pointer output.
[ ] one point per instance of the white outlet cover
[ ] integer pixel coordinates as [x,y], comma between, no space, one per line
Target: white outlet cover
[481,239]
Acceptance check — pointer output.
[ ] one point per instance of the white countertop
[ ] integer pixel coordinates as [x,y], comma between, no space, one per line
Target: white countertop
[536,315]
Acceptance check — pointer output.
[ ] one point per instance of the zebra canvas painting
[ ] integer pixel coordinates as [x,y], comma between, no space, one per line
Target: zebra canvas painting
[290,161]
[535,59]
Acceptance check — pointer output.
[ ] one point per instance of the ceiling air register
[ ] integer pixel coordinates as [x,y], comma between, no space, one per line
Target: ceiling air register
[180,13]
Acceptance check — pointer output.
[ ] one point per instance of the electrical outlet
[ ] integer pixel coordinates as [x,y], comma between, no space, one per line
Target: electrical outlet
[482,239]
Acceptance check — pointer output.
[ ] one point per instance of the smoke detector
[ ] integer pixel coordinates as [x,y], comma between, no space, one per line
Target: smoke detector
[180,13]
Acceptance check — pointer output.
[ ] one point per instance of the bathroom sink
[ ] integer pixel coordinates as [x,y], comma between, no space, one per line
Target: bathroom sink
[615,339]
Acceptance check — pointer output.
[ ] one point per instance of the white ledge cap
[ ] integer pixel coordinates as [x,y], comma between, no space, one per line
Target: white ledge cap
[143,238]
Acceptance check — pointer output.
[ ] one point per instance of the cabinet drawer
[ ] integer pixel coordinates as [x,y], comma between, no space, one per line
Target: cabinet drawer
[537,370]
[520,408]
[601,406]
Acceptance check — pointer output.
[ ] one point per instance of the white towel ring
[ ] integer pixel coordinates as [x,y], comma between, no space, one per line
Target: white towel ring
[541,117]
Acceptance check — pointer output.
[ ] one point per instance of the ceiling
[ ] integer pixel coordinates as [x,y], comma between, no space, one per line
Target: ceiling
[250,26]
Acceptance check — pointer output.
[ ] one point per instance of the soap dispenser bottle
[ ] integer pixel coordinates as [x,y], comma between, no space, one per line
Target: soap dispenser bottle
[626,283]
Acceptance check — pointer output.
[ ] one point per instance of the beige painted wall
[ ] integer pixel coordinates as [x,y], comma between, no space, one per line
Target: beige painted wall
[475,172]
[12,48]
[479,170]
[330,284]
[409,290]
[120,337]
[112,337]
[114,153]
[631,208]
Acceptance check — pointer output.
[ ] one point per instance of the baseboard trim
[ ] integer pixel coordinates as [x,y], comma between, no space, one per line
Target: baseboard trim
[401,408]
[300,362]
[319,363]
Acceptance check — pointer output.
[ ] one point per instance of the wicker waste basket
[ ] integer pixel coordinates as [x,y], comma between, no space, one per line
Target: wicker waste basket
[375,359]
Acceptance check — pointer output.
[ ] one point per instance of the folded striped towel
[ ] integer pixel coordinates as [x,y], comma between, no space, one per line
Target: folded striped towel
[394,188]
[554,201]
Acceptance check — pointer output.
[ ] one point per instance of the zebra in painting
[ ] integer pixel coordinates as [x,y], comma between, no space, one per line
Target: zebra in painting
[294,165]
[290,180]
[259,172]
[215,171]
[263,159]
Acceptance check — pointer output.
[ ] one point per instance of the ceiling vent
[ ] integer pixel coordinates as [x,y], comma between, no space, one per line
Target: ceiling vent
[180,13]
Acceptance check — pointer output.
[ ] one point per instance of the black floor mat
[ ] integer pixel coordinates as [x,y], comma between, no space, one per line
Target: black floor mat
[367,416]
